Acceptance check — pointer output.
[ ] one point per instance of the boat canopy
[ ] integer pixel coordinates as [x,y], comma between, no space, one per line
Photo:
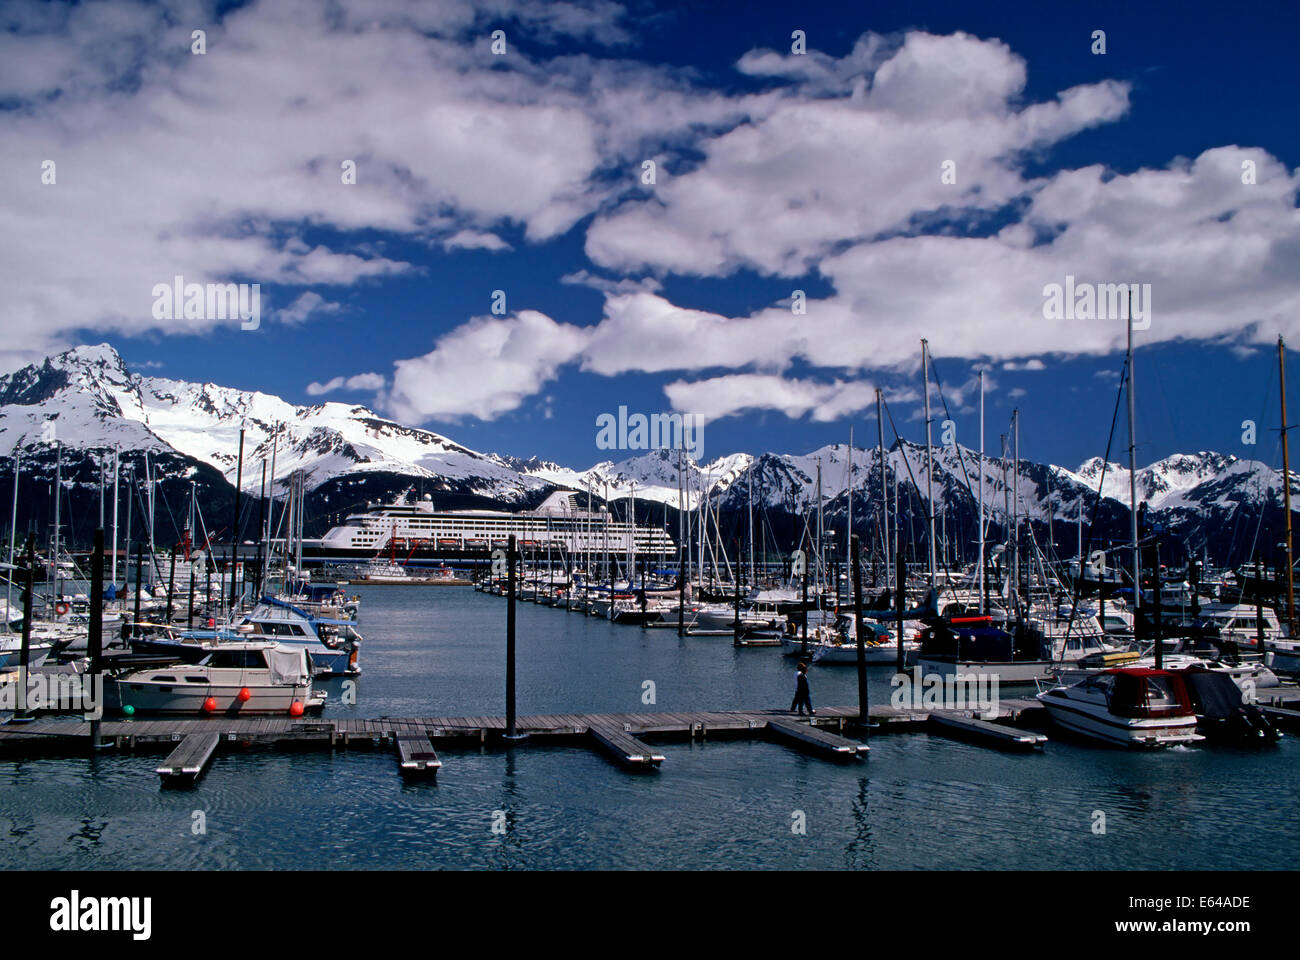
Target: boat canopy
[1141,692]
[288,664]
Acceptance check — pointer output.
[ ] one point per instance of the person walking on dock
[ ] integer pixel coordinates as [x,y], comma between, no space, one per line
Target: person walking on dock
[802,696]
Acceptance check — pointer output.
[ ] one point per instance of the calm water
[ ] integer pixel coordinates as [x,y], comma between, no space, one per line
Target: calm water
[919,802]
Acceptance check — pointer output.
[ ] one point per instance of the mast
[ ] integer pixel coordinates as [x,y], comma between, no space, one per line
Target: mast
[929,456]
[848,533]
[821,530]
[13,534]
[1286,495]
[884,491]
[115,498]
[749,485]
[234,526]
[979,563]
[1015,501]
[58,487]
[1132,468]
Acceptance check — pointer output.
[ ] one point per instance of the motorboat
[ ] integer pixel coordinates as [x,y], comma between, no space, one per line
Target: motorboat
[839,644]
[972,646]
[232,679]
[1128,706]
[11,651]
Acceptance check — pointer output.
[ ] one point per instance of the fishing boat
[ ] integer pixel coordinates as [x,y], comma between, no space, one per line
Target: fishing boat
[1128,706]
[234,679]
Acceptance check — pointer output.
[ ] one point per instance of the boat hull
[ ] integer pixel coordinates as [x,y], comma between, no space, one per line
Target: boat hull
[1088,720]
[1005,671]
[147,696]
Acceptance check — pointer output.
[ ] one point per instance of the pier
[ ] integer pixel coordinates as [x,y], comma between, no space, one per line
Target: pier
[620,737]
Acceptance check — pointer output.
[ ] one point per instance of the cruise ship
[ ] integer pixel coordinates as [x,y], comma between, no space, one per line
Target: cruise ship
[411,529]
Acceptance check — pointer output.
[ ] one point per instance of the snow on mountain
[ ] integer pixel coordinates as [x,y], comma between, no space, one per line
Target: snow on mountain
[95,403]
[88,400]
[650,476]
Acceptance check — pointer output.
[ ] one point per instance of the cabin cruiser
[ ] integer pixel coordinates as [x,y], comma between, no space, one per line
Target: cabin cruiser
[1128,706]
[333,645]
[232,679]
[972,646]
[1239,622]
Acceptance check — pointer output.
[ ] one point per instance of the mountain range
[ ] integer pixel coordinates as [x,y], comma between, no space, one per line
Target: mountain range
[88,401]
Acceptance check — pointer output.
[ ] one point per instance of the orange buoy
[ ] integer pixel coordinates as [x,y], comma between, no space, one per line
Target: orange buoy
[245,695]
[295,709]
[210,704]
[61,608]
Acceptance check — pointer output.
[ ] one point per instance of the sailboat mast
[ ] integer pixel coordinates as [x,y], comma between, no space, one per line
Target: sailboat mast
[1286,495]
[58,488]
[929,457]
[13,535]
[749,485]
[848,534]
[1132,467]
[1015,499]
[979,562]
[115,499]
[884,491]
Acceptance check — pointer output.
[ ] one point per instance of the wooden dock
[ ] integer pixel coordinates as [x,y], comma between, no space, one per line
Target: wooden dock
[190,759]
[192,742]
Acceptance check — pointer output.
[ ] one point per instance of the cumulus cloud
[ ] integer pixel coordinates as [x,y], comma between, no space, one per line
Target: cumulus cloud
[483,368]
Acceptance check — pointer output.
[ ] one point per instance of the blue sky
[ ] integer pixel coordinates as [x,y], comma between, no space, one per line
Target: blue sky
[775,172]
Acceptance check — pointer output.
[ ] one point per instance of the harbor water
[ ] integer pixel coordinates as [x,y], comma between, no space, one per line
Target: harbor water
[918,802]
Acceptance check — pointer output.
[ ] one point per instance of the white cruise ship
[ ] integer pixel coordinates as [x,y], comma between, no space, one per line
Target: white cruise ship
[411,529]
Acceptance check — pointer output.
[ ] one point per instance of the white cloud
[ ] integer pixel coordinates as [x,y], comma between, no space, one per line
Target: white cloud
[483,368]
[304,305]
[725,396]
[475,240]
[362,381]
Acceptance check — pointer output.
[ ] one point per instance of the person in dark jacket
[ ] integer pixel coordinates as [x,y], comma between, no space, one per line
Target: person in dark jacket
[802,696]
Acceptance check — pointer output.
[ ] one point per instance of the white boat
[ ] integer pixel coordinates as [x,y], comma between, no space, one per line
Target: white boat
[11,651]
[1284,657]
[839,644]
[1128,706]
[233,679]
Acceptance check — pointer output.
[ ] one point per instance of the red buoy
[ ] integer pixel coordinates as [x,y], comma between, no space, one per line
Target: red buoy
[210,704]
[245,695]
[211,622]
[295,709]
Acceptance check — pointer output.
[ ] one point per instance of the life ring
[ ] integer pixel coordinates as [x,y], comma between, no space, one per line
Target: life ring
[61,608]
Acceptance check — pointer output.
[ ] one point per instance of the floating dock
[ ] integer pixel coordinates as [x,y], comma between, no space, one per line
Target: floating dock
[193,742]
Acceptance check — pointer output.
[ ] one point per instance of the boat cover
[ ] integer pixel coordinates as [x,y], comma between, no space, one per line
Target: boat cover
[288,664]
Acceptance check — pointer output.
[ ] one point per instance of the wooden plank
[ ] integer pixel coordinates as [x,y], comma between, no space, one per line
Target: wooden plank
[190,759]
[416,756]
[623,749]
[815,741]
[984,732]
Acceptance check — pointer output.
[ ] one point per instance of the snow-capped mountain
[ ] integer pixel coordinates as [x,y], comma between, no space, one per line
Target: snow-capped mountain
[89,401]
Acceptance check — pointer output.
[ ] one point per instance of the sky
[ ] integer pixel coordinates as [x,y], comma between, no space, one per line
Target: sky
[830,186]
